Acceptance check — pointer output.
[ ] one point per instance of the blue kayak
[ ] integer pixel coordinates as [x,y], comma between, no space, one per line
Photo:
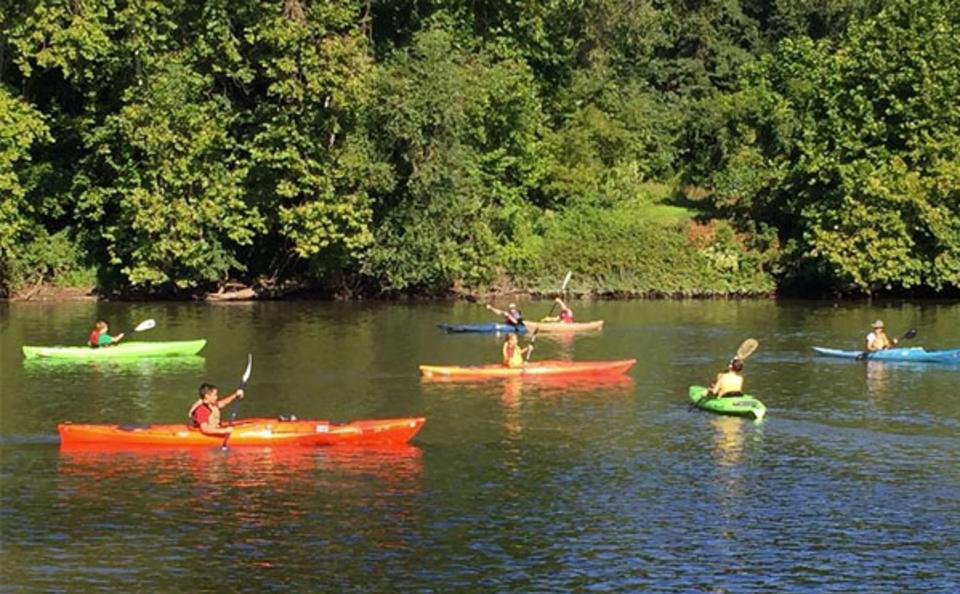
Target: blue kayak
[917,354]
[488,328]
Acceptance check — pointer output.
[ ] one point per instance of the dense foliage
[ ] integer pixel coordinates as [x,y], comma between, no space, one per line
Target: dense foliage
[411,146]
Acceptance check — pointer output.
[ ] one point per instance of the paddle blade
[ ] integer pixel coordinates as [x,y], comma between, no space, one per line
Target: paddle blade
[566,281]
[746,348]
[909,334]
[145,325]
[471,298]
[249,370]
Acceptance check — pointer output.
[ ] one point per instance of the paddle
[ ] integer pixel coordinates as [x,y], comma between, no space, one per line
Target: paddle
[533,339]
[233,406]
[563,288]
[906,335]
[475,299]
[142,326]
[747,347]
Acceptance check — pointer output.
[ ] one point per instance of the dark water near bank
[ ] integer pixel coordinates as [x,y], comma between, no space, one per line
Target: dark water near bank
[851,484]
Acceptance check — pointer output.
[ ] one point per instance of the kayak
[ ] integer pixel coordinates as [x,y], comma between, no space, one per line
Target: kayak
[551,327]
[122,350]
[539,368]
[743,406]
[916,354]
[255,431]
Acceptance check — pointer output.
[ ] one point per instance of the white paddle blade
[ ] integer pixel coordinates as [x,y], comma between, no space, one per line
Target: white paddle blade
[746,348]
[145,325]
[566,281]
[246,374]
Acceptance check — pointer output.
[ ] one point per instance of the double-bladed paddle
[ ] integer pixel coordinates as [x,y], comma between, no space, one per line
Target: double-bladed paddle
[747,347]
[233,406]
[906,335]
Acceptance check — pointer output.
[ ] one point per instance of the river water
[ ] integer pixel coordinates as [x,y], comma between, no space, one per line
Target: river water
[851,483]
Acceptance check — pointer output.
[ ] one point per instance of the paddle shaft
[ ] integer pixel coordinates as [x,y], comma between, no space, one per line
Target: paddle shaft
[234,404]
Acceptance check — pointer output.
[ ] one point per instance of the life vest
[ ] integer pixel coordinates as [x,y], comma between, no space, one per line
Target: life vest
[729,383]
[94,339]
[878,342]
[566,316]
[205,414]
[512,355]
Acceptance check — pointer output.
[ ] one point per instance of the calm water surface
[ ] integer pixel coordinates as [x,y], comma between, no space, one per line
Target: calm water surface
[852,483]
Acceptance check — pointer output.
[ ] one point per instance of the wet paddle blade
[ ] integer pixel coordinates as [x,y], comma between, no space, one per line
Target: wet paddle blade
[909,334]
[566,281]
[746,348]
[246,374]
[145,325]
[471,298]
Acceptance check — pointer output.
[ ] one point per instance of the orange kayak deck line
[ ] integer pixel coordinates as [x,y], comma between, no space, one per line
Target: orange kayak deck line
[302,432]
[538,368]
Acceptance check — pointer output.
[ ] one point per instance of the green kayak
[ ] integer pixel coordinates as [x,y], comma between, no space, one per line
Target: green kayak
[120,351]
[744,406]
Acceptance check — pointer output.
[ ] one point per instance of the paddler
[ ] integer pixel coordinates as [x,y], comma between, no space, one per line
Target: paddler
[100,338]
[878,340]
[511,316]
[205,412]
[729,382]
[513,354]
[566,314]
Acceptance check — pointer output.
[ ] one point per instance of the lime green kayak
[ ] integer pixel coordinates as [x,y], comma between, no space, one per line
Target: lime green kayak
[122,350]
[743,406]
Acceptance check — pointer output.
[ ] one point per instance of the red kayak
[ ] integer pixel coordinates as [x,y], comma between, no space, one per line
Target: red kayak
[301,432]
[539,368]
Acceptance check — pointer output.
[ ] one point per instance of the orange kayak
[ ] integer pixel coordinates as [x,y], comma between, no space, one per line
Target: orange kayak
[539,368]
[303,432]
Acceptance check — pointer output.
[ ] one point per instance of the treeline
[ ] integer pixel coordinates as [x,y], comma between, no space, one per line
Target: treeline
[167,147]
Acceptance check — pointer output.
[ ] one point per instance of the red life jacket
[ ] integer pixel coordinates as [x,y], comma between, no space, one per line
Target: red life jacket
[94,339]
[200,415]
[566,317]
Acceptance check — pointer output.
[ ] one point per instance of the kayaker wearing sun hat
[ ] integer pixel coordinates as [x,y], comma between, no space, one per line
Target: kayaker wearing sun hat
[512,315]
[878,340]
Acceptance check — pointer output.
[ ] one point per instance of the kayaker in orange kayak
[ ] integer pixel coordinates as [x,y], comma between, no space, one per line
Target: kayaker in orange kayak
[513,354]
[100,338]
[878,340]
[511,315]
[729,382]
[566,314]
[205,412]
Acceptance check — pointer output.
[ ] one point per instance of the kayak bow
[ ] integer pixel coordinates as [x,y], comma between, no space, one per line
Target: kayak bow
[122,350]
[257,431]
[743,406]
[539,368]
[913,354]
[551,327]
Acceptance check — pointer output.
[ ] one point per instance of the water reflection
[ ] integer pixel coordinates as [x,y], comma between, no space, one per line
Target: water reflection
[47,367]
[728,439]
[878,379]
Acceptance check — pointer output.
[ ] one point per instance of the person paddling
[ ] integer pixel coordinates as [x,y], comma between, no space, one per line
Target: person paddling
[205,412]
[566,314]
[878,340]
[100,338]
[512,315]
[729,382]
[513,354]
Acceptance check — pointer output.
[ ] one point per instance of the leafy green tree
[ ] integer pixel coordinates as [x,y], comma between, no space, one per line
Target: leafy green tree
[852,152]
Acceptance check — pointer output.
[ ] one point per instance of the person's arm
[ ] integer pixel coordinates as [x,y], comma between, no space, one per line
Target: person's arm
[117,338]
[224,402]
[715,385]
[194,407]
[209,428]
[499,312]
